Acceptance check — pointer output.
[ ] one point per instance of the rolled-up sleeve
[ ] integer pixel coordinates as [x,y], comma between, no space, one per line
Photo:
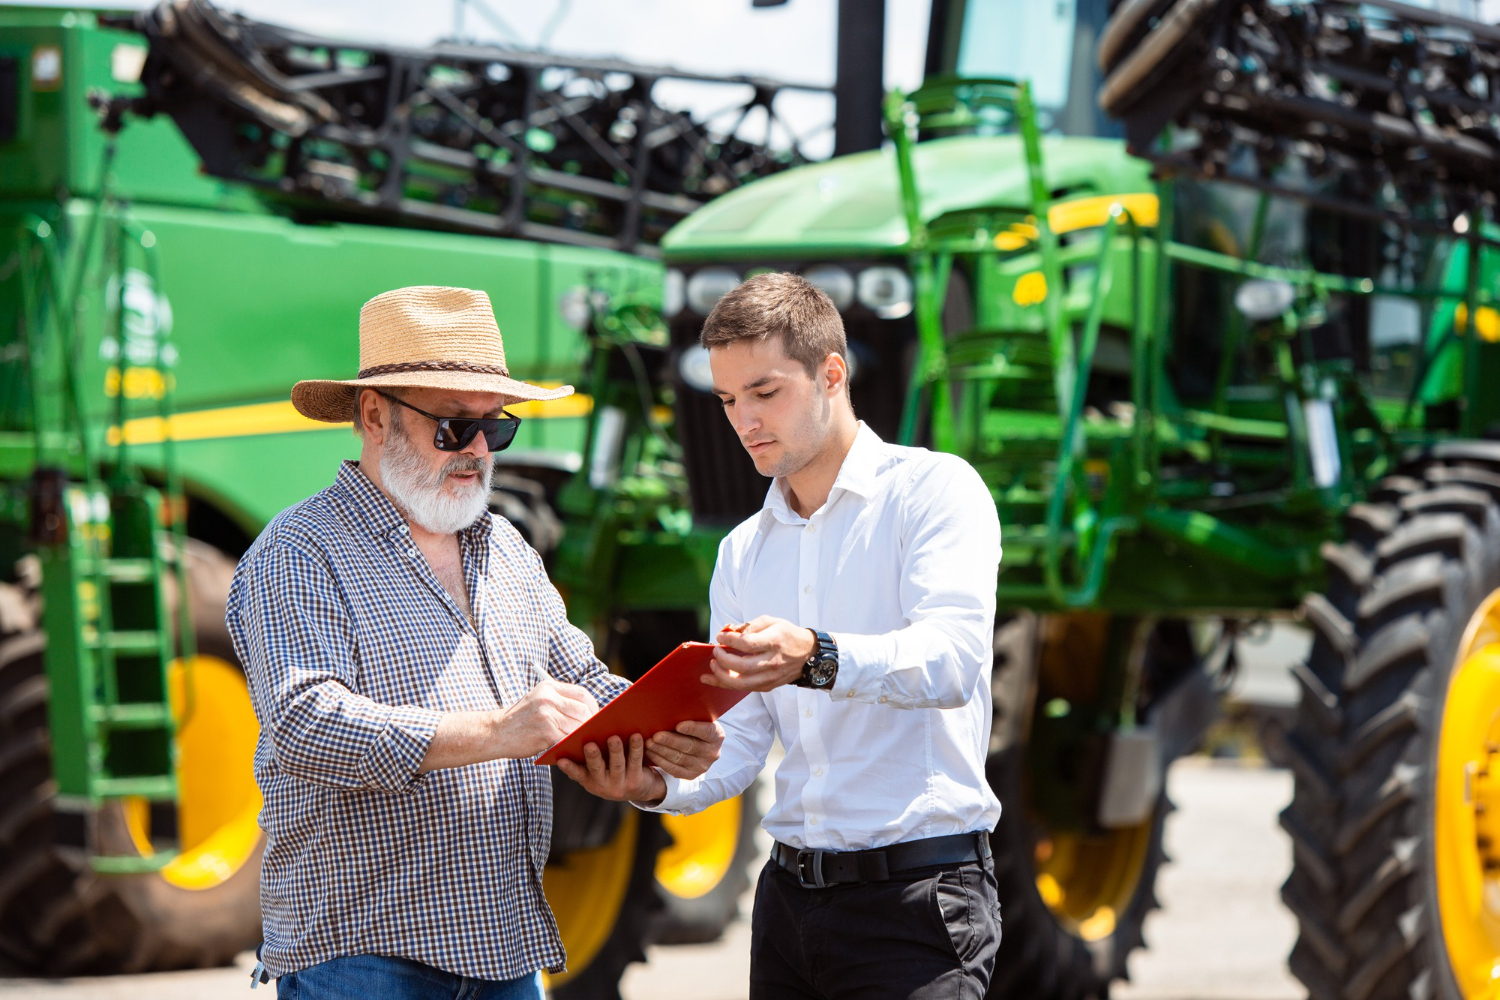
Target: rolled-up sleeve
[294,634]
[947,592]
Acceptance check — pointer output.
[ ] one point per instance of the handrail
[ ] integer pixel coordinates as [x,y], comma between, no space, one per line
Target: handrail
[1071,443]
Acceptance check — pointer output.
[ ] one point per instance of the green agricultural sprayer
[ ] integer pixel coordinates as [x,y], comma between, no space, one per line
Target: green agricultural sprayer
[1239,367]
[193,207]
[1222,348]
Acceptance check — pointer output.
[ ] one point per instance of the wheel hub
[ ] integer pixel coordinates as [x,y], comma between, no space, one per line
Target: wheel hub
[1482,779]
[1466,820]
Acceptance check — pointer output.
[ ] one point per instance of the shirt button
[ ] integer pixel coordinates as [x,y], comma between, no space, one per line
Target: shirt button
[813,820]
[882,699]
[818,772]
[807,589]
[811,528]
[412,553]
[809,713]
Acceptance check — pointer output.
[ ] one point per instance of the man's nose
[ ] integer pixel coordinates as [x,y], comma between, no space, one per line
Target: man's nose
[479,447]
[744,419]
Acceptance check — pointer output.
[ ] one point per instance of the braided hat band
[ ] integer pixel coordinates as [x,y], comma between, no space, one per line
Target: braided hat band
[425,336]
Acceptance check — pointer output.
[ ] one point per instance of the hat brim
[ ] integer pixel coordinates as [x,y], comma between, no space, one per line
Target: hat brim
[332,401]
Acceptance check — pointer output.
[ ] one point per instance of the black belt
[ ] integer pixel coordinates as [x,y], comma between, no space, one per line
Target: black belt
[816,868]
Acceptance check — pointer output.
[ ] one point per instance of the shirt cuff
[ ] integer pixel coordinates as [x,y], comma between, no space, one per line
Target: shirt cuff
[863,663]
[393,763]
[675,801]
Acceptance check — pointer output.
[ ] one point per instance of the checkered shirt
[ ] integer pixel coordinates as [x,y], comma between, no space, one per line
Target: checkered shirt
[354,651]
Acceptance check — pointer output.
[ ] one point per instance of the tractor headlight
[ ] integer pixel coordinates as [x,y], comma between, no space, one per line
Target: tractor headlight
[885,291]
[574,308]
[673,293]
[1262,299]
[834,282]
[693,366]
[708,286]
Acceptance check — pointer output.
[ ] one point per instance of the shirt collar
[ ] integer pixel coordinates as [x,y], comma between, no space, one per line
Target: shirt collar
[376,509]
[856,475]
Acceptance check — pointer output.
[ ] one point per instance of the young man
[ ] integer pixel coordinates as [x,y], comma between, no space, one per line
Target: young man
[406,656]
[859,606]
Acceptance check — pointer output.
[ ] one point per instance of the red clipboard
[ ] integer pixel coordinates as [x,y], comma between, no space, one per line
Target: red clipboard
[668,693]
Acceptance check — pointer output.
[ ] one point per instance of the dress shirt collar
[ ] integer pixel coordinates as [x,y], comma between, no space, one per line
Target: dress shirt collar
[378,511]
[856,475]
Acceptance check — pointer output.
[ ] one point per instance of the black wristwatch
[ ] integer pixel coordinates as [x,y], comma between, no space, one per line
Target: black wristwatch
[822,667]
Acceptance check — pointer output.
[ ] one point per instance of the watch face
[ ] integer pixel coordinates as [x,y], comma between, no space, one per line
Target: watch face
[822,670]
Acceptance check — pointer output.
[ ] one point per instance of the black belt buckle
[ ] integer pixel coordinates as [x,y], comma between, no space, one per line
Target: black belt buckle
[811,858]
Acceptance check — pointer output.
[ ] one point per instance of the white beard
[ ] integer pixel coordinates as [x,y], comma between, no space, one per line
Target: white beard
[428,498]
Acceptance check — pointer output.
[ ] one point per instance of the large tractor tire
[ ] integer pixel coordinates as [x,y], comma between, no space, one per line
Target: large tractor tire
[705,867]
[1072,899]
[604,899]
[1072,904]
[57,917]
[704,871]
[1395,819]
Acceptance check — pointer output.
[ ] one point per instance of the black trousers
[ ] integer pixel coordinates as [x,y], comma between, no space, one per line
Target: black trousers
[929,934]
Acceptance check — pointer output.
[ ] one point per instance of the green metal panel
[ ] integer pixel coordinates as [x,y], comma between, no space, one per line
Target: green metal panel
[59,145]
[853,204]
[262,287]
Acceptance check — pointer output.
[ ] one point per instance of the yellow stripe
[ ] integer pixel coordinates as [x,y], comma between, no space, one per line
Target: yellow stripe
[283,418]
[1083,213]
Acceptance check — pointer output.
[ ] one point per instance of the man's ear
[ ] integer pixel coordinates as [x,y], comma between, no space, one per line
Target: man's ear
[372,415]
[836,372]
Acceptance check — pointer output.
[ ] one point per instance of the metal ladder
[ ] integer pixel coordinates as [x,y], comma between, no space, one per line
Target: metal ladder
[106,541]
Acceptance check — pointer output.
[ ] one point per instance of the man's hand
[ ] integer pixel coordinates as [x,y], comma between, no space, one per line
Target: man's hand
[760,655]
[686,753]
[550,711]
[618,778]
[689,751]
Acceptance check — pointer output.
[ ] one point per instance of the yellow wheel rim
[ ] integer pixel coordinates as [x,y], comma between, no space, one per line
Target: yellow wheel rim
[586,890]
[1087,880]
[1466,830]
[702,851]
[218,801]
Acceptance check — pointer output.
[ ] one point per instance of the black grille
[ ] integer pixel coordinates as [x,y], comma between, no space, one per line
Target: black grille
[10,98]
[722,482]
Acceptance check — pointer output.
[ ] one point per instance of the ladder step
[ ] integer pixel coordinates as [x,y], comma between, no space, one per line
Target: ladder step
[146,787]
[128,570]
[138,642]
[140,715]
[131,864]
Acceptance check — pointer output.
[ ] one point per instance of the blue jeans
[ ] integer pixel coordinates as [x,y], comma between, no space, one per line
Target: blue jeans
[377,977]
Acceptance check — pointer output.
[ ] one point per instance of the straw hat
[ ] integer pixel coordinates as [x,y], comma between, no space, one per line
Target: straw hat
[425,336]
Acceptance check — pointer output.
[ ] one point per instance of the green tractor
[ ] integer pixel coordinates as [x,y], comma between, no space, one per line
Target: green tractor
[193,207]
[1206,292]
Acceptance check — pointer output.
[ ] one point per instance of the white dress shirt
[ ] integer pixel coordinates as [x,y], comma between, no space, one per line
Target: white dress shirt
[899,566]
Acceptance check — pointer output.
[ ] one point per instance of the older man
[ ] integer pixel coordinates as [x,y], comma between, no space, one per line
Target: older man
[406,656]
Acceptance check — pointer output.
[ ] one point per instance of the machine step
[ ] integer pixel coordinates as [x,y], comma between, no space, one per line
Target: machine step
[159,787]
[139,643]
[135,715]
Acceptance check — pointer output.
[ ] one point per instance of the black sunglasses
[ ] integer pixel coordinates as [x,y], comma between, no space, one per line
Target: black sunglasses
[456,433]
